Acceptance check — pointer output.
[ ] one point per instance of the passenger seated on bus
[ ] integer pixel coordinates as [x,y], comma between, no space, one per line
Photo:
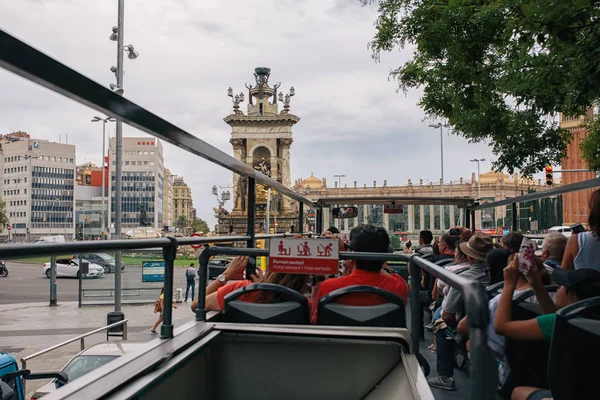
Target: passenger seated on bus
[364,238]
[497,342]
[476,250]
[218,289]
[583,249]
[553,250]
[512,241]
[574,286]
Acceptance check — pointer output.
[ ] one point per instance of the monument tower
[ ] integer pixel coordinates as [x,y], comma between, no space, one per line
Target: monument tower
[262,139]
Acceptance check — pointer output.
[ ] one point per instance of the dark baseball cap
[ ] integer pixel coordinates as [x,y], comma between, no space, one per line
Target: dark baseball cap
[585,282]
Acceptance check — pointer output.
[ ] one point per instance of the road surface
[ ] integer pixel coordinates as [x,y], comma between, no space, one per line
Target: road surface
[27,284]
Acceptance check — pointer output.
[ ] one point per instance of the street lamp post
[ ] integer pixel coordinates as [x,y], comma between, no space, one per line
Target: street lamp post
[225,196]
[104,121]
[118,34]
[441,127]
[340,192]
[478,160]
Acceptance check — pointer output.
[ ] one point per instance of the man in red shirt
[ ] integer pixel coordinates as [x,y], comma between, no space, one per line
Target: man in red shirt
[364,238]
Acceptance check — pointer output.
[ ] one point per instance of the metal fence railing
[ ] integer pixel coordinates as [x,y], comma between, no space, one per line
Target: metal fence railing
[80,338]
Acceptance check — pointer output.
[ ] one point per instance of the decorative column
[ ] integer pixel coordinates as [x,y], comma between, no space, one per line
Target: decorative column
[325,219]
[431,218]
[386,222]
[411,218]
[461,216]
[365,214]
[451,216]
[422,218]
[285,170]
[356,223]
[237,154]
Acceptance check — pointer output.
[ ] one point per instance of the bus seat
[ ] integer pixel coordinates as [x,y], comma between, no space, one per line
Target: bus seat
[293,311]
[391,314]
[573,367]
[528,359]
[495,289]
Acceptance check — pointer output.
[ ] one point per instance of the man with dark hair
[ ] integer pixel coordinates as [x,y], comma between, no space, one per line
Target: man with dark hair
[333,230]
[364,238]
[512,241]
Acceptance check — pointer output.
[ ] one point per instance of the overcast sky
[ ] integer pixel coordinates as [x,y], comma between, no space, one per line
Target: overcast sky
[353,121]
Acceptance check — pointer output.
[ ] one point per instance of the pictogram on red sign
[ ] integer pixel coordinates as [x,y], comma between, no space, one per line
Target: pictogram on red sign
[304,256]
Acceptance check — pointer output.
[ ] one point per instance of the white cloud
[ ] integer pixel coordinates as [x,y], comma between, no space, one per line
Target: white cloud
[352,119]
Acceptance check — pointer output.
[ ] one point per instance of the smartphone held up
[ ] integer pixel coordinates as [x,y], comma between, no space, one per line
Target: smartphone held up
[526,256]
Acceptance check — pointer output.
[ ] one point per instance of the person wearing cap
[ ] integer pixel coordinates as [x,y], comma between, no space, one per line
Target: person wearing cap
[574,286]
[476,249]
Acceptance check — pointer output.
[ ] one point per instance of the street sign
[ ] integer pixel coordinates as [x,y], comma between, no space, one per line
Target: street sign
[393,209]
[304,256]
[153,271]
[196,234]
[8,227]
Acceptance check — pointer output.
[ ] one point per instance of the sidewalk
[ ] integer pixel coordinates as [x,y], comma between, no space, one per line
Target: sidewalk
[27,328]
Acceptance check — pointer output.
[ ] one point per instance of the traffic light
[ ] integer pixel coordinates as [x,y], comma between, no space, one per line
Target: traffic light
[549,177]
[271,231]
[260,244]
[531,208]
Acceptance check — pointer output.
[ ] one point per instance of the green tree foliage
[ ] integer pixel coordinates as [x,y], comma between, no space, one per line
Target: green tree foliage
[590,146]
[3,216]
[395,242]
[200,225]
[500,71]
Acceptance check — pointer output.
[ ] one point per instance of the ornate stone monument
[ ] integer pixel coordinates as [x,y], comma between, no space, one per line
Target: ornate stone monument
[262,139]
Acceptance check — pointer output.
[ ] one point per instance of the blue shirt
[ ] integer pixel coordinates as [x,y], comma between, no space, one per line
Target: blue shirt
[589,251]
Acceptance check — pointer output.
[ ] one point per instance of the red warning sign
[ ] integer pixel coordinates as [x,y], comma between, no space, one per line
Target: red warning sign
[304,256]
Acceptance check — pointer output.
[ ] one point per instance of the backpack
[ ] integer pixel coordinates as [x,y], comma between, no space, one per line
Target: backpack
[189,277]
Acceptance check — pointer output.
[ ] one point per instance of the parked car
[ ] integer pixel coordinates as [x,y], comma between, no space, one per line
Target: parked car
[69,268]
[102,259]
[217,266]
[90,359]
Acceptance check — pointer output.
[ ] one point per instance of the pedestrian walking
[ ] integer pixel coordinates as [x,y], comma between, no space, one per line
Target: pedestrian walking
[159,306]
[190,277]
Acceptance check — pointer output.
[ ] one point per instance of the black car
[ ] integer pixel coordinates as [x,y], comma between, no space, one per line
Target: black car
[217,266]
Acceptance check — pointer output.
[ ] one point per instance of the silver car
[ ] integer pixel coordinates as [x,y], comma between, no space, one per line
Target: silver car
[90,359]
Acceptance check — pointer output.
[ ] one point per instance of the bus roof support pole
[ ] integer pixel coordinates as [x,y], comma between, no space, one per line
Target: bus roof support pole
[514,217]
[169,255]
[301,219]
[415,312]
[319,221]
[484,367]
[207,252]
[251,212]
[467,217]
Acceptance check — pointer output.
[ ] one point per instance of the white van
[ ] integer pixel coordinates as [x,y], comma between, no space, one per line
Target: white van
[565,230]
[51,239]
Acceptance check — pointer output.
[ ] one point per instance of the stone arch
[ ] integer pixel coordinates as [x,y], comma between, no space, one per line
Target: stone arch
[261,159]
[257,146]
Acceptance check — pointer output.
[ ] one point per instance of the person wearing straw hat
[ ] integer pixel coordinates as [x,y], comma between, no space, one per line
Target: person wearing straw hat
[476,249]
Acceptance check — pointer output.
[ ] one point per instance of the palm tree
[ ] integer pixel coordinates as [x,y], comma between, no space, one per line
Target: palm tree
[3,217]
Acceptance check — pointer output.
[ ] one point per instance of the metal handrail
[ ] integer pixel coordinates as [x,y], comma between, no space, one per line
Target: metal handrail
[31,64]
[54,249]
[573,187]
[81,339]
[484,367]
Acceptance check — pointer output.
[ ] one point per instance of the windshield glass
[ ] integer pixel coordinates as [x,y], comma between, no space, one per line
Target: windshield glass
[81,365]
[106,257]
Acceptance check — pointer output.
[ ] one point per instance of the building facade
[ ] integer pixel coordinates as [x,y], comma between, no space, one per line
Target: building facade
[414,218]
[88,212]
[575,205]
[168,201]
[183,204]
[142,180]
[262,139]
[38,186]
